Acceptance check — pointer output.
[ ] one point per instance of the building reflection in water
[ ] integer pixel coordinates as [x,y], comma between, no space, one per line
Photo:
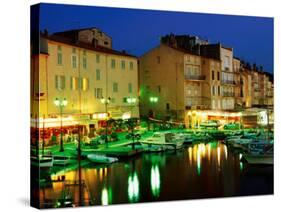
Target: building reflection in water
[133,187]
[198,152]
[155,180]
[219,155]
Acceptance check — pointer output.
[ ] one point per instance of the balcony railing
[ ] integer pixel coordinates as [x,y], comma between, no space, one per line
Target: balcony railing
[195,77]
[228,82]
[228,94]
[197,101]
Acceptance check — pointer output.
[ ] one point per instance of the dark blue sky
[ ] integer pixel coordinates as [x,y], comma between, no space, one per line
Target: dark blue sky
[136,31]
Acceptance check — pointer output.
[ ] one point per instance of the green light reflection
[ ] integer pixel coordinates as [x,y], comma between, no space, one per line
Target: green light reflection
[133,187]
[155,180]
[106,196]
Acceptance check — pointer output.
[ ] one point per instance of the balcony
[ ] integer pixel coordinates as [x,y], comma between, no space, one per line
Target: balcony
[197,102]
[257,89]
[195,77]
[228,82]
[228,94]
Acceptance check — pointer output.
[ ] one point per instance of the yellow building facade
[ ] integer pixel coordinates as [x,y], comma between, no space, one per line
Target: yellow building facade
[83,76]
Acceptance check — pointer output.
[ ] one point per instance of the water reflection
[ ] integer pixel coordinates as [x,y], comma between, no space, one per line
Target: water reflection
[106,196]
[133,187]
[155,180]
[200,170]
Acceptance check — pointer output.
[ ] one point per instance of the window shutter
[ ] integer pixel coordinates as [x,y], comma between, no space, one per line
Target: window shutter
[57,82]
[62,82]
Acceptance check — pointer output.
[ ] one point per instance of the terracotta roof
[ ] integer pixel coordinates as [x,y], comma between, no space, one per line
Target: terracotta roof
[86,45]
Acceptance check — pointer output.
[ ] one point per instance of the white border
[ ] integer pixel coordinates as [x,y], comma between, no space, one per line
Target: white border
[14,143]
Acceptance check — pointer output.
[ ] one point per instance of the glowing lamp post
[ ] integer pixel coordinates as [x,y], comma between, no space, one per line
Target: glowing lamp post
[131,101]
[106,102]
[61,104]
[153,99]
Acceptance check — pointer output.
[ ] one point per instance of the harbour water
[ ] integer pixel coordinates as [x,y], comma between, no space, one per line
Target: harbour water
[204,170]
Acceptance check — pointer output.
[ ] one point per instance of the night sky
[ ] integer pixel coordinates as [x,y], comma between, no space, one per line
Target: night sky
[137,31]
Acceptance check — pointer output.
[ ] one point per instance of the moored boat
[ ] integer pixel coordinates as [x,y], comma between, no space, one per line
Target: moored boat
[42,161]
[164,141]
[98,158]
[60,160]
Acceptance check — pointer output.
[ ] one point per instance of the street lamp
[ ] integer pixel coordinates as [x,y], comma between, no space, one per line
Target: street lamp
[132,101]
[61,103]
[153,100]
[106,102]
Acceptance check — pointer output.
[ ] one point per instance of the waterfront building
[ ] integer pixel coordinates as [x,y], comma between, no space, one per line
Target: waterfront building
[95,81]
[195,81]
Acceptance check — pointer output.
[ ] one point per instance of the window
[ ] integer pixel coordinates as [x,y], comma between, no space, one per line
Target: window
[214,90]
[85,84]
[213,75]
[159,88]
[84,62]
[73,83]
[167,106]
[218,75]
[213,104]
[226,62]
[98,93]
[74,61]
[219,90]
[131,65]
[73,50]
[113,63]
[97,74]
[59,82]
[59,56]
[123,64]
[97,58]
[115,87]
[158,59]
[130,88]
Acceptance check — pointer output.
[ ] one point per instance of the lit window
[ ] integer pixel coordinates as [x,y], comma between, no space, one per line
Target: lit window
[85,84]
[73,83]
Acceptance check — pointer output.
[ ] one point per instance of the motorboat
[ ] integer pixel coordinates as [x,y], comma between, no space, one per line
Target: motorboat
[42,161]
[99,158]
[260,152]
[161,141]
[61,160]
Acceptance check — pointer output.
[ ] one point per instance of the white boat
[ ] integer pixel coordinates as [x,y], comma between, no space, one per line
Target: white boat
[42,161]
[97,158]
[260,152]
[259,159]
[164,141]
[60,160]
